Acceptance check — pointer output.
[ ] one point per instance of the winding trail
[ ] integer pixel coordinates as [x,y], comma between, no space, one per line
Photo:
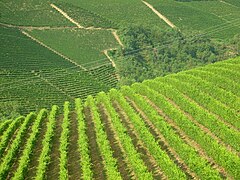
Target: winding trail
[166,20]
[114,31]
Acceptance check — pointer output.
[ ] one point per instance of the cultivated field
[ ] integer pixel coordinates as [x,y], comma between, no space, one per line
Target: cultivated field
[63,47]
[219,19]
[33,76]
[182,126]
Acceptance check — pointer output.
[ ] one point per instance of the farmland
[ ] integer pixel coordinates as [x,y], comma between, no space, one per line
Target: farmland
[82,46]
[30,80]
[213,17]
[144,131]
[60,50]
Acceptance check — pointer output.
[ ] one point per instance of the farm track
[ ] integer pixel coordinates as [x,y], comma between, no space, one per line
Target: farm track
[114,31]
[96,160]
[53,167]
[66,15]
[166,20]
[188,140]
[162,141]
[118,151]
[146,156]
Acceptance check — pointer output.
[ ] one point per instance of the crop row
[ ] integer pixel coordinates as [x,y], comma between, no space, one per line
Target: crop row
[163,160]
[205,118]
[83,142]
[110,163]
[133,158]
[8,159]
[44,157]
[219,153]
[196,163]
[26,155]
[64,141]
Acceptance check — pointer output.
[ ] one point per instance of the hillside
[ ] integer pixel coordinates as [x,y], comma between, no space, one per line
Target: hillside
[181,126]
[63,49]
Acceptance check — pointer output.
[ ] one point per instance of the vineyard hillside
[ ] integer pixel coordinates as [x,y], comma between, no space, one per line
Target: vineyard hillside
[57,50]
[181,126]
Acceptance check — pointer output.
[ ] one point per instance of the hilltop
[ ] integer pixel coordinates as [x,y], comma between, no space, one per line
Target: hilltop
[181,126]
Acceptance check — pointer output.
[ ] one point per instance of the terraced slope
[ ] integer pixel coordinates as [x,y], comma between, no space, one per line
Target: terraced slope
[33,76]
[180,126]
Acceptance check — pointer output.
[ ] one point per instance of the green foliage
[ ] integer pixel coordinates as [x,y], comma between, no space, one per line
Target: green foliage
[83,142]
[26,155]
[109,162]
[44,157]
[150,53]
[187,120]
[133,158]
[64,141]
[8,159]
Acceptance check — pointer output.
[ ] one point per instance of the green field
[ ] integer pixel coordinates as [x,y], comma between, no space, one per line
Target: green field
[85,47]
[31,13]
[69,60]
[215,18]
[33,77]
[121,12]
[182,126]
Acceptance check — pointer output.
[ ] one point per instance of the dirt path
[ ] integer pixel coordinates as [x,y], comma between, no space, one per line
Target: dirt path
[38,27]
[110,59]
[114,32]
[117,38]
[56,52]
[66,15]
[160,15]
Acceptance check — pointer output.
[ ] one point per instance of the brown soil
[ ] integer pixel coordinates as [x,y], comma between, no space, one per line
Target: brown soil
[53,167]
[146,156]
[31,171]
[115,144]
[96,160]
[74,168]
[163,142]
[202,127]
[25,137]
[188,140]
[9,144]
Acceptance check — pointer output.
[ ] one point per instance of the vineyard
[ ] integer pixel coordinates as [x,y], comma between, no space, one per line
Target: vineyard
[182,126]
[33,76]
[207,15]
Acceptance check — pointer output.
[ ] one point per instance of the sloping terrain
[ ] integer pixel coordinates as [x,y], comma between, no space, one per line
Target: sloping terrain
[59,50]
[181,126]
